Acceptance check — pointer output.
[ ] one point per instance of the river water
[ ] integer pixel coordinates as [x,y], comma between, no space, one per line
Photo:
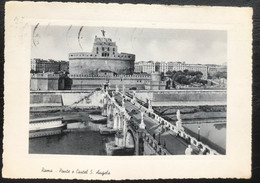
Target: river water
[89,142]
[76,142]
[212,134]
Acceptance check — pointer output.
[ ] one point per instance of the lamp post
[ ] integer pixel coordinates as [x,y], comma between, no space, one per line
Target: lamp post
[199,132]
[159,143]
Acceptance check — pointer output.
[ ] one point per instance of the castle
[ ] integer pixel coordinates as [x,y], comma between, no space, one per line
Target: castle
[105,64]
[90,70]
[104,57]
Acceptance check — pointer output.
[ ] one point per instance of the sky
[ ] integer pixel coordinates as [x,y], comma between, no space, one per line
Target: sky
[188,45]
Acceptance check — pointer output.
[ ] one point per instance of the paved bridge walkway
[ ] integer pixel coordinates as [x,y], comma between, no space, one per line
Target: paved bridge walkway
[168,139]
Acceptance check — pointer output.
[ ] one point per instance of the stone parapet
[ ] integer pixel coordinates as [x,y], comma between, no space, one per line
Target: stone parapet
[167,125]
[83,76]
[44,76]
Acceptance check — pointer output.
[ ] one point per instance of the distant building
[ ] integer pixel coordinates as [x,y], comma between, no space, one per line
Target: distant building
[157,67]
[213,68]
[176,66]
[197,67]
[150,67]
[146,67]
[164,67]
[42,66]
[64,66]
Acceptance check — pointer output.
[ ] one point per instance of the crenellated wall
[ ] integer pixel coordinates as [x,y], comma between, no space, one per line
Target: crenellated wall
[44,81]
[80,82]
[38,100]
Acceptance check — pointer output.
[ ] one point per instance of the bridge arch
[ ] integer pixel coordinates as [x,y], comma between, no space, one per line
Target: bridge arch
[130,140]
[116,121]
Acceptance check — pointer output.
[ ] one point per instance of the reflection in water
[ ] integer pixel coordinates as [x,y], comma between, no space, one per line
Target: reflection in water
[213,134]
[83,142]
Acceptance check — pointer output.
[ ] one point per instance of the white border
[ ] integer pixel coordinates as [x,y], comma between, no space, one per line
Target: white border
[238,23]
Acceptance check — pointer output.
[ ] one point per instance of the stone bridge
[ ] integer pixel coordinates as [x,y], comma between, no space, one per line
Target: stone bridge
[138,130]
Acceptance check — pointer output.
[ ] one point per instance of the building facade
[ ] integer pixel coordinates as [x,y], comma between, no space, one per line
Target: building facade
[197,67]
[150,67]
[213,69]
[104,56]
[64,66]
[42,66]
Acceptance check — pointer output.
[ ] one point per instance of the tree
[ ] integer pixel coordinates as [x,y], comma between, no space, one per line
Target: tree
[204,82]
[186,71]
[173,84]
[169,72]
[172,74]
[191,73]
[162,75]
[184,80]
[221,74]
[178,73]
[198,74]
[179,78]
[32,71]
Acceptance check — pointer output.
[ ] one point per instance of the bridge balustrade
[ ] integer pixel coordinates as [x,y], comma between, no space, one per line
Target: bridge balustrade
[154,144]
[166,124]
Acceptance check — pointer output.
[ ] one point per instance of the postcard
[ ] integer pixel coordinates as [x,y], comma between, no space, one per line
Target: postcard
[114,92]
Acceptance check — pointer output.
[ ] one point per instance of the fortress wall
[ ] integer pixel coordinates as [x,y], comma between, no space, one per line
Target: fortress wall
[71,98]
[91,66]
[191,96]
[97,82]
[66,99]
[33,84]
[45,99]
[183,95]
[53,84]
[144,95]
[39,84]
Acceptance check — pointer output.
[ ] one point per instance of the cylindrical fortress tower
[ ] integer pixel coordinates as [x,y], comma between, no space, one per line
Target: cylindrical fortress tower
[104,56]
